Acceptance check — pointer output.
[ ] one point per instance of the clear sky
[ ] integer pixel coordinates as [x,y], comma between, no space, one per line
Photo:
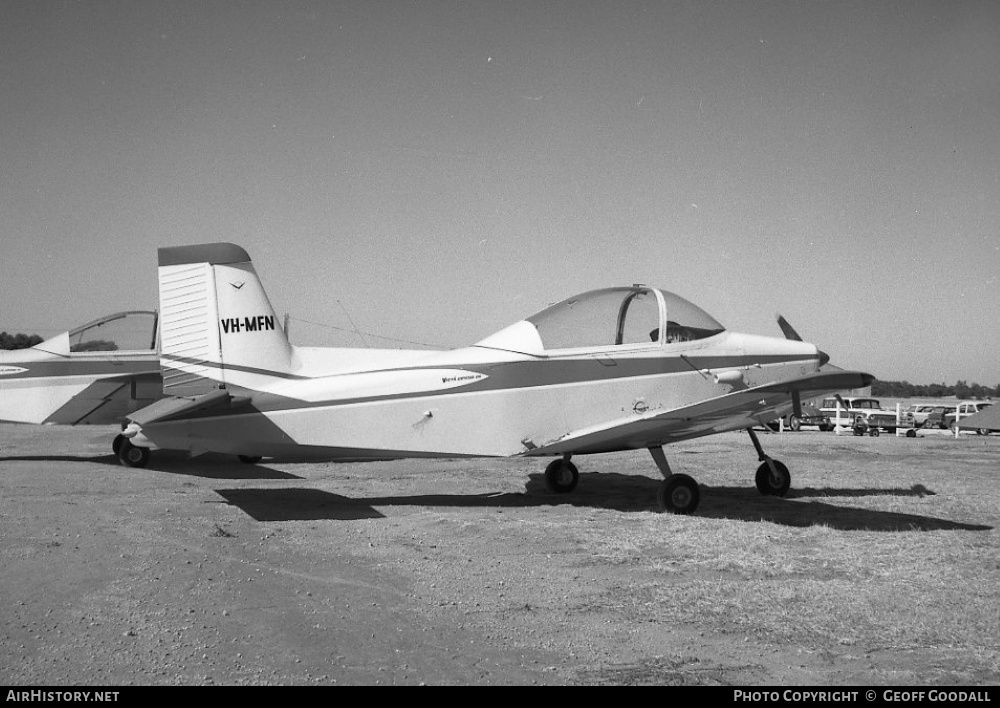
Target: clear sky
[434,171]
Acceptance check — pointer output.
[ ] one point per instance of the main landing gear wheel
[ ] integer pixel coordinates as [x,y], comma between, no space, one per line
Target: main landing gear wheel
[116,444]
[773,482]
[561,476]
[132,456]
[679,494]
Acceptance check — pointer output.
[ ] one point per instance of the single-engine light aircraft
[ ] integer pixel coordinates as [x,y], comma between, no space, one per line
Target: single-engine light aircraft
[615,369]
[95,374]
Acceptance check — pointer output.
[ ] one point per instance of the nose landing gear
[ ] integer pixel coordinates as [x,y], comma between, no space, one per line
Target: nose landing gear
[772,478]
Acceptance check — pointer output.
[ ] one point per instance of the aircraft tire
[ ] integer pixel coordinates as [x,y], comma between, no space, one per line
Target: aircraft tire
[679,494]
[132,456]
[794,423]
[773,485]
[116,444]
[561,476]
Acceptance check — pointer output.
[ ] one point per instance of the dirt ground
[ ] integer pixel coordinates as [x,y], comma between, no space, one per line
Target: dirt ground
[209,571]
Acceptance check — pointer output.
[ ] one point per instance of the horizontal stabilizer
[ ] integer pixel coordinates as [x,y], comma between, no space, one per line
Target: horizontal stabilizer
[215,403]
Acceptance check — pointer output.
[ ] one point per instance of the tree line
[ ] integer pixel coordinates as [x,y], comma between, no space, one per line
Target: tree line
[18,341]
[25,341]
[961,389]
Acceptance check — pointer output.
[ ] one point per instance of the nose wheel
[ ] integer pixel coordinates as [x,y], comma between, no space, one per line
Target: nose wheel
[772,478]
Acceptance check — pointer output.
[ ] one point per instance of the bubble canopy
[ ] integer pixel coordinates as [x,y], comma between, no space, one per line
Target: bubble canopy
[608,318]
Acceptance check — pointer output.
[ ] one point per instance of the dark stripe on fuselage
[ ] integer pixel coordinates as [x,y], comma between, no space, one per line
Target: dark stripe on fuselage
[555,372]
[231,367]
[519,375]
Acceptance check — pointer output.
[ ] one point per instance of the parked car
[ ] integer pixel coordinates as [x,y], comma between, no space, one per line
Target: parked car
[936,418]
[864,413]
[811,415]
[964,410]
[919,412]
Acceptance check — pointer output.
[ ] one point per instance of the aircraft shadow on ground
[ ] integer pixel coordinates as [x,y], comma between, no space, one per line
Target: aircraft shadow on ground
[209,466]
[616,492]
[99,459]
[217,467]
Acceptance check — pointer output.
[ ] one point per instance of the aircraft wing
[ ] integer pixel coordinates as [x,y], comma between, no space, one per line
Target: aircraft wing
[107,400]
[75,400]
[736,410]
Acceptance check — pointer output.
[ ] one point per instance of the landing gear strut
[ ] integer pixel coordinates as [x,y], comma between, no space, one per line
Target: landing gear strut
[773,478]
[679,493]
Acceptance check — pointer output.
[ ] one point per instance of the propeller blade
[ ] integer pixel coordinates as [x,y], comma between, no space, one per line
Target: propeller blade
[790,333]
[787,330]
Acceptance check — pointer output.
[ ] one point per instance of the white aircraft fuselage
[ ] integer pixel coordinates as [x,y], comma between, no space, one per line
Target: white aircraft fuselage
[538,387]
[479,401]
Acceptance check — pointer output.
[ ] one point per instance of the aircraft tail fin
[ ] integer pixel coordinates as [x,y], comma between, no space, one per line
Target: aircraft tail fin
[217,324]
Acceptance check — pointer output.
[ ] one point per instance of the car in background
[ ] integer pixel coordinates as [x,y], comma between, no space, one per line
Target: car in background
[918,413]
[936,418]
[861,413]
[811,416]
[964,410]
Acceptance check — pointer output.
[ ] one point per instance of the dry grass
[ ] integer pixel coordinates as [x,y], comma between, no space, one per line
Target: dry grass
[882,565]
[883,544]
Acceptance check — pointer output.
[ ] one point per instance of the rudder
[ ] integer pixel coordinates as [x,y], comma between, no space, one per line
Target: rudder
[217,324]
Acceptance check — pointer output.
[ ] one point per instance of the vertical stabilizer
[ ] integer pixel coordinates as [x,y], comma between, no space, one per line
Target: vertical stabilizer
[218,326]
